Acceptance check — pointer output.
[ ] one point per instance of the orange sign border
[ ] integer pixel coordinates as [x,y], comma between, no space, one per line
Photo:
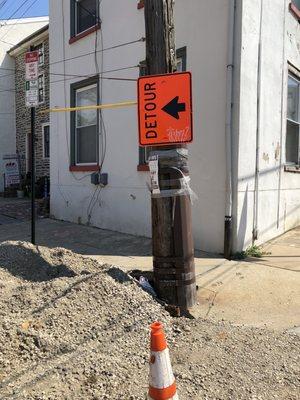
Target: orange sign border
[191,112]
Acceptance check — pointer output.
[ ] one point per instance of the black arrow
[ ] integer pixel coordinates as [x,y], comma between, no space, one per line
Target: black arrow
[174,107]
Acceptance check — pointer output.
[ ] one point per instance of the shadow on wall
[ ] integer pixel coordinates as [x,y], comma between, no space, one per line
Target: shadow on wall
[27,263]
[269,228]
[243,222]
[241,243]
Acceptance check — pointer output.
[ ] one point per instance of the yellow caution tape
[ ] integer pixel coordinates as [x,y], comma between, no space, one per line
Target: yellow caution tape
[95,107]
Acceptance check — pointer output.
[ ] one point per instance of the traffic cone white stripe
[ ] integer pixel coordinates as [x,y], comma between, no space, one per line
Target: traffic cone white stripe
[162,381]
[161,373]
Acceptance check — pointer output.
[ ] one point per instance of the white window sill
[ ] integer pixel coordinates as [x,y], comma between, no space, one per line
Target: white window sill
[292,168]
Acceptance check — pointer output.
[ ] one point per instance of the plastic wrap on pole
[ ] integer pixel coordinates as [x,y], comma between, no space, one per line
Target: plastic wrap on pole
[172,181]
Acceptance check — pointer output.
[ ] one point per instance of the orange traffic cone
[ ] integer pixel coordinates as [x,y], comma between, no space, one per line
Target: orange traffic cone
[162,381]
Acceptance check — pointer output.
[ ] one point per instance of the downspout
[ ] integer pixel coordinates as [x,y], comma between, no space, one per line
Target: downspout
[229,132]
[285,6]
[258,126]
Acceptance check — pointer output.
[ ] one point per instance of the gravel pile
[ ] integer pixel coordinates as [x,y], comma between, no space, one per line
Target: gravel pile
[73,329]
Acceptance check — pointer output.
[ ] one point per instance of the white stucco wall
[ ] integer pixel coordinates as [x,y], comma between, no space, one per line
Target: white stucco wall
[278,200]
[125,204]
[16,31]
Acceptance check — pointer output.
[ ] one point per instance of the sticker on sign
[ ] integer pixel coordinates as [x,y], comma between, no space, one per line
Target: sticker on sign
[31,65]
[165,109]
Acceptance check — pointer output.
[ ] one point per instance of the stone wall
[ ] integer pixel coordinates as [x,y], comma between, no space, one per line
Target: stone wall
[23,116]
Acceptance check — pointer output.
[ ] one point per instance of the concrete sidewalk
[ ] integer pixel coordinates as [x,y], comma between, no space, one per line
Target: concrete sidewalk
[256,292]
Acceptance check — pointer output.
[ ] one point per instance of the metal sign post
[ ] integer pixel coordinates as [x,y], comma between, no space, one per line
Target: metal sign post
[32,100]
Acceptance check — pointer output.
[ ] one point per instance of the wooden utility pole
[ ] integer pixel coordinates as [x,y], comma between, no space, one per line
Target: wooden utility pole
[173,247]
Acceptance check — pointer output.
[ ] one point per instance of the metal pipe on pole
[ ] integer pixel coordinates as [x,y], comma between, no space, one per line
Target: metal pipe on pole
[229,134]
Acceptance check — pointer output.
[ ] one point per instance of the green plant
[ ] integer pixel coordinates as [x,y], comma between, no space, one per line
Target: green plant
[252,251]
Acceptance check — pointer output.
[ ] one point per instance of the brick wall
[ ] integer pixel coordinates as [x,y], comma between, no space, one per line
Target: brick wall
[23,115]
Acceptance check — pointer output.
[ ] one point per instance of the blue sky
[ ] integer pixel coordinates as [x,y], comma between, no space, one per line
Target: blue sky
[28,8]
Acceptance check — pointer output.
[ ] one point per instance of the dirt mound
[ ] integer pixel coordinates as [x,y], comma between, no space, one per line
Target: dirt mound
[71,328]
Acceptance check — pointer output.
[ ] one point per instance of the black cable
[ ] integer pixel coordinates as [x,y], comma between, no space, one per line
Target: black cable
[105,72]
[12,15]
[85,54]
[15,12]
[98,51]
[89,76]
[81,76]
[22,15]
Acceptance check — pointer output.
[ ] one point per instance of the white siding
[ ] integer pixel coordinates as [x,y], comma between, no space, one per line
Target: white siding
[125,204]
[279,45]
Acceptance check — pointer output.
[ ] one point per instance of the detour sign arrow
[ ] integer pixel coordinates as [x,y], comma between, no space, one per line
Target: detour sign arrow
[165,109]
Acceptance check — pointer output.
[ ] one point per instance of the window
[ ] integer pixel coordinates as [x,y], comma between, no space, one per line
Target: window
[40,49]
[84,15]
[41,87]
[293,121]
[181,66]
[46,141]
[296,3]
[84,124]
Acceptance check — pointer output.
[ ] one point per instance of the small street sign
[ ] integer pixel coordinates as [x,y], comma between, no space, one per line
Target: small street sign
[32,74]
[32,98]
[30,85]
[31,65]
[165,109]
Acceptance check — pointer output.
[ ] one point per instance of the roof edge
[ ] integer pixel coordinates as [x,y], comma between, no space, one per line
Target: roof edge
[23,44]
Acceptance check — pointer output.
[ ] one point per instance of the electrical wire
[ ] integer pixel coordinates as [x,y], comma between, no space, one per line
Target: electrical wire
[19,19]
[80,76]
[101,125]
[85,54]
[3,4]
[12,15]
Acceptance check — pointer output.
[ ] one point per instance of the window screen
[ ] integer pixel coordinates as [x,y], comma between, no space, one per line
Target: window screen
[86,14]
[46,133]
[86,126]
[293,121]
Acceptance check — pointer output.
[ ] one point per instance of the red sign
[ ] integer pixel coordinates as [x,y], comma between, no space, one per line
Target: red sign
[32,56]
[31,62]
[165,109]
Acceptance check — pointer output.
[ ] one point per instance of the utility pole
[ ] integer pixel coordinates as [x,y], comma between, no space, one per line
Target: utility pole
[31,104]
[172,239]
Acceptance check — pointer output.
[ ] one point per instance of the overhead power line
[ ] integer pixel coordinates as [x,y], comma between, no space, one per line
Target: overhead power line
[22,15]
[85,76]
[86,54]
[14,13]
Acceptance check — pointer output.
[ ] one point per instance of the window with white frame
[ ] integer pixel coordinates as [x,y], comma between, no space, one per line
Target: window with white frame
[85,15]
[293,121]
[46,140]
[40,49]
[85,124]
[41,88]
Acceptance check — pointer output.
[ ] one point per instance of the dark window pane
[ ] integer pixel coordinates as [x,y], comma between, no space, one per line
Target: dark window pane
[86,144]
[47,141]
[292,143]
[293,99]
[297,3]
[86,14]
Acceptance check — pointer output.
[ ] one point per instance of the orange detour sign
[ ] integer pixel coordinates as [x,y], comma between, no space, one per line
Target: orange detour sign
[165,109]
